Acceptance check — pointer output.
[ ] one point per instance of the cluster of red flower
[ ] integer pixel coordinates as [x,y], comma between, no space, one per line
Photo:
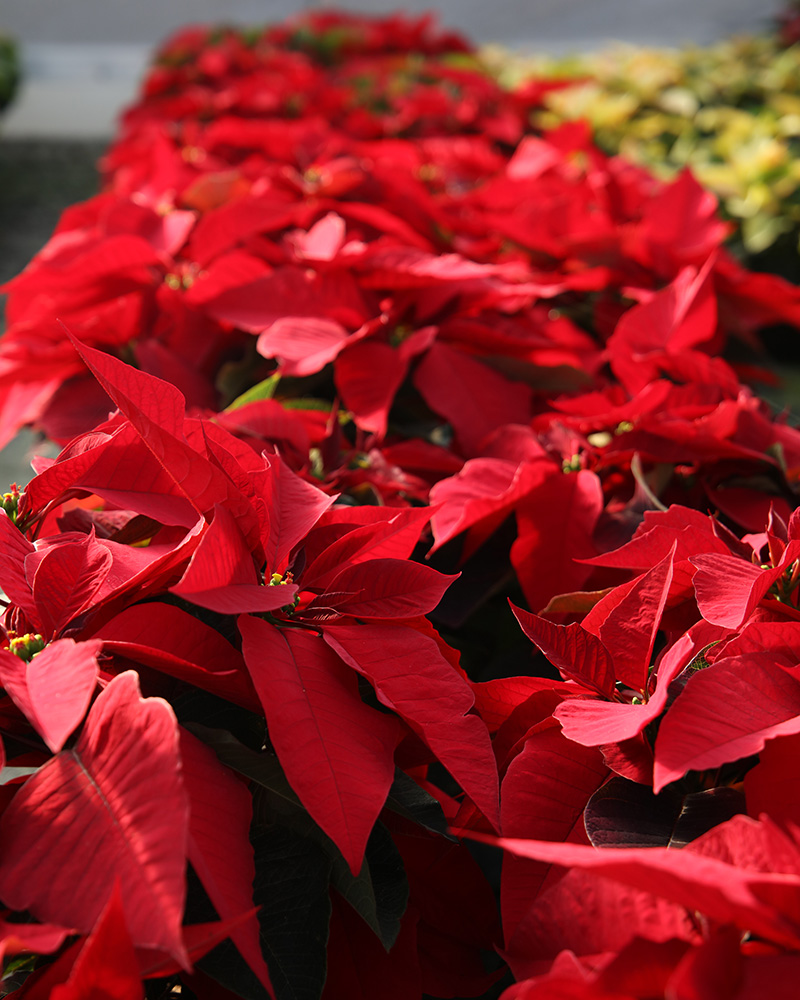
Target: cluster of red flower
[331,263]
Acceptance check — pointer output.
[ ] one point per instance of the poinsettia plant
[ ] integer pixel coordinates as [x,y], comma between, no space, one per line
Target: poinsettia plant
[673,764]
[217,684]
[414,492]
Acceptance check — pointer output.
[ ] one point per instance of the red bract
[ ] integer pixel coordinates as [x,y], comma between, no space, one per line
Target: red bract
[107,961]
[625,621]
[436,704]
[740,586]
[53,690]
[338,753]
[765,699]
[704,877]
[113,804]
[544,791]
[363,243]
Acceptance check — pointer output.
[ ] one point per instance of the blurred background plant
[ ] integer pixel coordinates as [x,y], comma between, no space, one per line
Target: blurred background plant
[729,111]
[9,69]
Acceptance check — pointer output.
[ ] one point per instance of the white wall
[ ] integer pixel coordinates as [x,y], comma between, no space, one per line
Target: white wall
[519,22]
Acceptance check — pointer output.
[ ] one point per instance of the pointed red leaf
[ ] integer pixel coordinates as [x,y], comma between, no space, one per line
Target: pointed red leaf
[292,292]
[222,575]
[337,753]
[678,317]
[239,464]
[66,579]
[543,795]
[761,699]
[113,806]
[152,405]
[472,397]
[596,723]
[302,344]
[54,689]
[126,474]
[220,813]
[681,225]
[392,535]
[57,476]
[106,965]
[729,589]
[40,939]
[485,490]
[294,508]
[629,632]
[722,891]
[575,653]
[268,421]
[781,639]
[141,572]
[368,375]
[761,846]
[156,410]
[411,676]
[672,322]
[495,700]
[178,644]
[587,915]
[14,550]
[692,531]
[385,588]
[225,225]
[555,525]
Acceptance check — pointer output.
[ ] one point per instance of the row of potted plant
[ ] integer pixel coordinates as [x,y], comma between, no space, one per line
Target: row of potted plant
[345,355]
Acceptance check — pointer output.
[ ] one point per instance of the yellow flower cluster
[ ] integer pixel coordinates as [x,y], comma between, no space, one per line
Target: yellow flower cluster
[729,111]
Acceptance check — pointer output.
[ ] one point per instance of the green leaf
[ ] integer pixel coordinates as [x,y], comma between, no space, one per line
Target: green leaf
[405,796]
[203,714]
[263,390]
[379,893]
[223,963]
[261,766]
[291,887]
[306,403]
[292,876]
[226,966]
[698,663]
[407,799]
